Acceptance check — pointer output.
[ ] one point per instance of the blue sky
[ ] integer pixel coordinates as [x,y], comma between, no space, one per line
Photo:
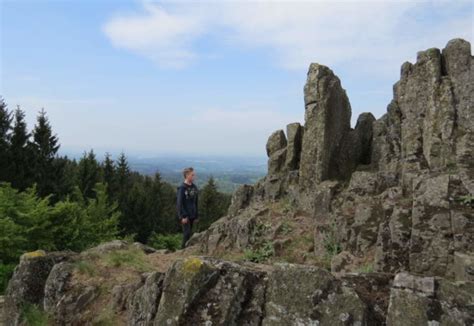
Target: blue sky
[151,77]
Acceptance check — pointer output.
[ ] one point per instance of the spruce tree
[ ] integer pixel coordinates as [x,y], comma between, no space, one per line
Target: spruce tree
[45,147]
[125,195]
[88,174]
[65,179]
[20,172]
[167,222]
[5,135]
[108,172]
[213,204]
[123,173]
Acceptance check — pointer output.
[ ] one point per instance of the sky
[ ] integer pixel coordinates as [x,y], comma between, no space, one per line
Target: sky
[206,78]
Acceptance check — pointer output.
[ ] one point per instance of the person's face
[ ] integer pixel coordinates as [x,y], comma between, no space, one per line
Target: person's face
[191,176]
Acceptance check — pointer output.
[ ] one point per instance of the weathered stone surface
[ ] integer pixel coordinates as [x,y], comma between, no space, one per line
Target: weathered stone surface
[463,267]
[63,301]
[2,313]
[355,148]
[240,199]
[122,294]
[276,162]
[232,232]
[109,246]
[428,125]
[386,141]
[374,290]
[200,291]
[342,261]
[294,132]
[429,301]
[276,142]
[327,121]
[28,283]
[143,303]
[431,235]
[56,285]
[393,241]
[277,156]
[304,295]
[458,64]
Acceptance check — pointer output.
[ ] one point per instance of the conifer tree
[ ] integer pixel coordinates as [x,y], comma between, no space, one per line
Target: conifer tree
[5,135]
[66,177]
[88,174]
[109,175]
[212,204]
[45,147]
[126,195]
[20,167]
[123,172]
[166,219]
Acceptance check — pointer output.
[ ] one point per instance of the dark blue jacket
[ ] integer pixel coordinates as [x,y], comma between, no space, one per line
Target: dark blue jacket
[187,201]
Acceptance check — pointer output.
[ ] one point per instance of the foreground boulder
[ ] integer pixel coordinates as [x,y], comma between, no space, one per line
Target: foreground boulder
[209,291]
[27,286]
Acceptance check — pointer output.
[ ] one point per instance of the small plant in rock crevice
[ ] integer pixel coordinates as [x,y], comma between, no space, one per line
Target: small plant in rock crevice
[467,200]
[331,244]
[261,253]
[33,315]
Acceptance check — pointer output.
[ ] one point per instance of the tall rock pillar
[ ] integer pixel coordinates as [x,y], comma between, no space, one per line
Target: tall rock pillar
[327,121]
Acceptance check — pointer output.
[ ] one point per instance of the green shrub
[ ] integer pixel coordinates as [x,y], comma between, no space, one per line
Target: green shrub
[28,223]
[331,244]
[6,272]
[165,241]
[261,253]
[32,315]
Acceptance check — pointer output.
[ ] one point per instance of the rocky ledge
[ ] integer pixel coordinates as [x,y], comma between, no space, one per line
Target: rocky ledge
[207,291]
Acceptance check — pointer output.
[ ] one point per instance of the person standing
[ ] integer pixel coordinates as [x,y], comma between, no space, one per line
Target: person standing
[187,204]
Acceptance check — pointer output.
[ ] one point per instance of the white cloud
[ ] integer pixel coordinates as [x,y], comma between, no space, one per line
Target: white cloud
[297,33]
[157,34]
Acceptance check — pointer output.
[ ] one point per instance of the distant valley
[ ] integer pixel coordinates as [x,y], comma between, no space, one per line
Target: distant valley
[228,171]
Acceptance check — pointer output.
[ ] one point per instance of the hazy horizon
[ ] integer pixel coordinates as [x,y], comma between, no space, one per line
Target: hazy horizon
[204,78]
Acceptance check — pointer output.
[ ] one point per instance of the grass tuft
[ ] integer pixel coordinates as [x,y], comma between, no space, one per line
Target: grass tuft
[32,315]
[367,268]
[105,318]
[85,268]
[134,258]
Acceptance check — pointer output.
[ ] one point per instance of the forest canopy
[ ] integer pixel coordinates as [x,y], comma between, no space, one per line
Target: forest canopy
[52,202]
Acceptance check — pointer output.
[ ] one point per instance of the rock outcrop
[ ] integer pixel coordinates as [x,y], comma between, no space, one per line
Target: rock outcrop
[387,206]
[398,190]
[28,282]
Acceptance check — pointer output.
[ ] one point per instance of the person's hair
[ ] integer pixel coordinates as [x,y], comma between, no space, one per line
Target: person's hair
[187,171]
